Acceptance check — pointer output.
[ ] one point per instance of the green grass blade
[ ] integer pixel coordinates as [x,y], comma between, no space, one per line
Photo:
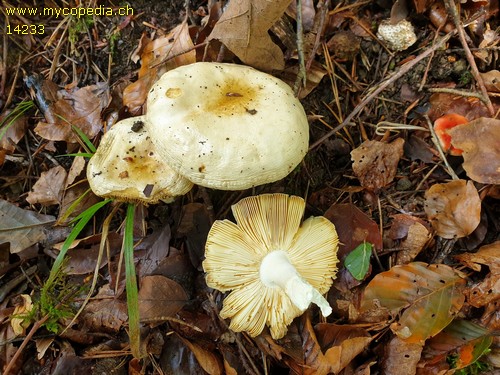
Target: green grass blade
[85,139]
[131,283]
[11,118]
[73,206]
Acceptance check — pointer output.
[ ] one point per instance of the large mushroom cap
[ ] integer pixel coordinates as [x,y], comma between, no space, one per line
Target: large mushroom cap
[227,126]
[127,167]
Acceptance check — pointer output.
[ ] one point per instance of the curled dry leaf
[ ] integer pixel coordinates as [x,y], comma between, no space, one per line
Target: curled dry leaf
[432,295]
[49,188]
[453,208]
[480,142]
[243,28]
[80,107]
[491,80]
[208,360]
[375,163]
[418,236]
[487,291]
[159,56]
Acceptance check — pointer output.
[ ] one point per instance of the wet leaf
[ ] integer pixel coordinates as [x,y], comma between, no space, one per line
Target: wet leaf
[159,298]
[152,250]
[432,295]
[21,228]
[465,341]
[80,107]
[243,28]
[453,208]
[375,163]
[358,260]
[480,141]
[157,57]
[48,189]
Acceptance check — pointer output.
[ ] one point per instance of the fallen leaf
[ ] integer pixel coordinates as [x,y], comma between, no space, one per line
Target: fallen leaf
[417,238]
[417,149]
[314,76]
[21,228]
[375,163]
[487,291]
[357,261]
[464,340]
[157,57]
[443,103]
[160,297]
[491,80]
[453,208]
[208,360]
[432,295]
[152,250]
[62,109]
[14,133]
[48,189]
[353,228]
[480,142]
[18,321]
[105,311]
[400,357]
[243,28]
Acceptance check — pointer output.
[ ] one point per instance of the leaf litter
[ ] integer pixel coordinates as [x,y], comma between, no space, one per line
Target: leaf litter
[395,195]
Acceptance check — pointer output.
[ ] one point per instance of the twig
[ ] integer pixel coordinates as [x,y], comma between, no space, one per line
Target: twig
[301,79]
[435,139]
[452,9]
[323,9]
[402,71]
[467,94]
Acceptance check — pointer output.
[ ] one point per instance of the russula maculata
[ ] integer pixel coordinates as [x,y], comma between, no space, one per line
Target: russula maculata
[226,126]
[441,127]
[127,167]
[274,266]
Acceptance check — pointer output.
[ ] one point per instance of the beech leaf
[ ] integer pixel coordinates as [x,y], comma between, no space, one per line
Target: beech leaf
[480,142]
[358,260]
[243,28]
[432,295]
[454,208]
[48,190]
[160,297]
[22,228]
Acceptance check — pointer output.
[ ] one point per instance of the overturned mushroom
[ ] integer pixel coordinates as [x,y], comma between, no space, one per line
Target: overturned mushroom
[127,167]
[274,266]
[226,126]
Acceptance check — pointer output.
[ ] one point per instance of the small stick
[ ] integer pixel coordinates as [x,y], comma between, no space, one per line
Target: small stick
[389,81]
[452,9]
[458,92]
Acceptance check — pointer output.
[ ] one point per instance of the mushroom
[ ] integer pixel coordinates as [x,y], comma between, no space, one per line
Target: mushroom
[441,127]
[226,126]
[127,167]
[273,266]
[398,36]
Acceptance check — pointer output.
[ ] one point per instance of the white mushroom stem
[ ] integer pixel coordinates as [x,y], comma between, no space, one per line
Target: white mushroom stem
[276,270]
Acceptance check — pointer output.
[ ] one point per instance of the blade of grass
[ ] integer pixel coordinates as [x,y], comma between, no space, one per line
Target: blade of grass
[72,207]
[131,283]
[20,109]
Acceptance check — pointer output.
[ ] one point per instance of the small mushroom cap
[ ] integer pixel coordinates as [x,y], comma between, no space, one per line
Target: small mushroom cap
[227,126]
[397,37]
[441,127]
[127,167]
[234,253]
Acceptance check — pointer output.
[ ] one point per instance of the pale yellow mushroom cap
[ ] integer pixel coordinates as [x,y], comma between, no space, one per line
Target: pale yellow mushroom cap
[251,258]
[227,126]
[127,167]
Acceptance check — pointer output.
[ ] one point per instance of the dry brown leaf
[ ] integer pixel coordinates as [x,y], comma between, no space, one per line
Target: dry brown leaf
[15,131]
[401,357]
[243,28]
[159,56]
[491,80]
[314,76]
[375,163]
[105,311]
[49,188]
[209,361]
[159,298]
[453,208]
[417,238]
[480,142]
[21,228]
[79,107]
[76,169]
